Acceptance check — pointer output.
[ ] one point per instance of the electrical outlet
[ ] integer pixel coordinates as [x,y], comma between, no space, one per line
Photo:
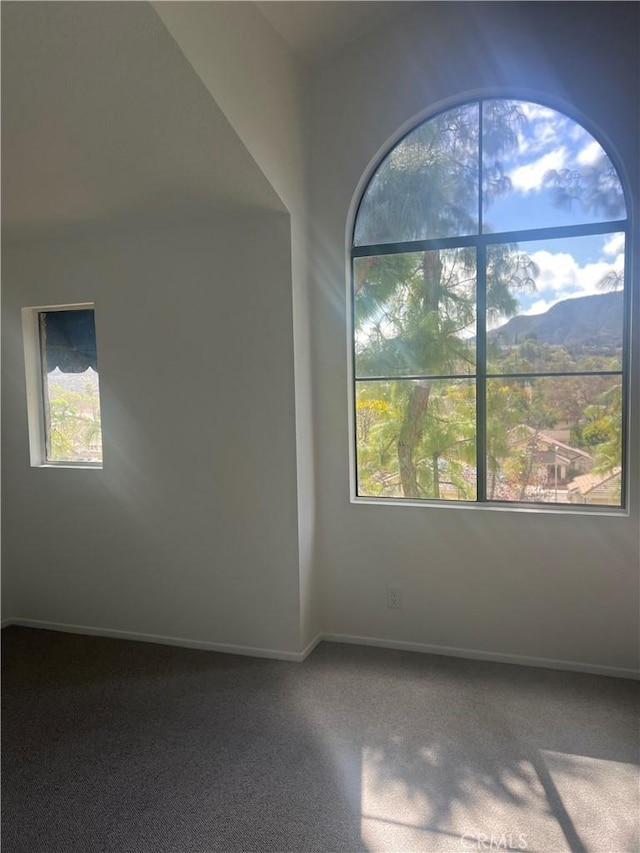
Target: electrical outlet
[394,597]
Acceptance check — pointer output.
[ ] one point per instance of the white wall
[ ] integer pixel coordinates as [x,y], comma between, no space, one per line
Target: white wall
[190,529]
[210,534]
[560,587]
[261,87]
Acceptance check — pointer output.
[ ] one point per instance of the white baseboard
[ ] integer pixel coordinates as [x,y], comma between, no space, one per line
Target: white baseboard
[249,651]
[298,657]
[495,657]
[307,651]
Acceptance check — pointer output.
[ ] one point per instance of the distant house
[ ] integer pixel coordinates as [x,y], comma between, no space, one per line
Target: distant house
[561,460]
[595,488]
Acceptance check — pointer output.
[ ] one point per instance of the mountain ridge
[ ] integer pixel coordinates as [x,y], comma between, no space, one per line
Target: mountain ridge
[594,321]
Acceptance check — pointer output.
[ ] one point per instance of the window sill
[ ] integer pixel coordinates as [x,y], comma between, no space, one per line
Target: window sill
[82,466]
[545,509]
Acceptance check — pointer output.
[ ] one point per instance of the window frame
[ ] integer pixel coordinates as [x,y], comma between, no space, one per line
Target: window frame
[37,403]
[480,241]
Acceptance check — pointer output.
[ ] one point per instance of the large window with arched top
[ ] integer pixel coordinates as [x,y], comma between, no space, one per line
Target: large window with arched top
[490,316]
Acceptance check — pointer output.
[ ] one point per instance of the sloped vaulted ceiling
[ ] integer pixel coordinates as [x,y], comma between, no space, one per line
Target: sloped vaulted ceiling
[103,118]
[316,29]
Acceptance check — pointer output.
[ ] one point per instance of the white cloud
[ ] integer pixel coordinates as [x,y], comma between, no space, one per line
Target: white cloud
[579,135]
[549,141]
[530,177]
[614,245]
[540,306]
[541,131]
[590,154]
[562,277]
[536,112]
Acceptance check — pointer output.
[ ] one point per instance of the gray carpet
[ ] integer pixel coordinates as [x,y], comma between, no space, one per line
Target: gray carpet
[135,748]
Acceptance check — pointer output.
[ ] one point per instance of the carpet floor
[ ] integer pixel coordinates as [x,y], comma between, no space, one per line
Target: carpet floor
[112,746]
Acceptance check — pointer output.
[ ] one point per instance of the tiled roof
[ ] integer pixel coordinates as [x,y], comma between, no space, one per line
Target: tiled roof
[586,482]
[545,438]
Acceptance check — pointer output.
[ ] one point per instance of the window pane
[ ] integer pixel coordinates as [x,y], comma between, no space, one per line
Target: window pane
[567,298]
[427,187]
[416,439]
[70,386]
[554,174]
[555,440]
[415,314]
[73,402]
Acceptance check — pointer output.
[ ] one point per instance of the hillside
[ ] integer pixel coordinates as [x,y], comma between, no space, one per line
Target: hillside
[593,321]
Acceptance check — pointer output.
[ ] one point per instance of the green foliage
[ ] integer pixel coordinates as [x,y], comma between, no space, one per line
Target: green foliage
[427,185]
[595,188]
[410,312]
[74,423]
[506,407]
[444,452]
[597,432]
[605,429]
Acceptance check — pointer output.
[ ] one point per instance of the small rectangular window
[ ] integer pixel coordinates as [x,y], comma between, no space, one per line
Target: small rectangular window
[63,392]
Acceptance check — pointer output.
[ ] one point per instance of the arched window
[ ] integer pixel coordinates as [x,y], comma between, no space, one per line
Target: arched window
[490,340]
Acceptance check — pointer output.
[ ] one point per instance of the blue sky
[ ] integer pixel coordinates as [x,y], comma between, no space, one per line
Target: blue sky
[568,267]
[548,141]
